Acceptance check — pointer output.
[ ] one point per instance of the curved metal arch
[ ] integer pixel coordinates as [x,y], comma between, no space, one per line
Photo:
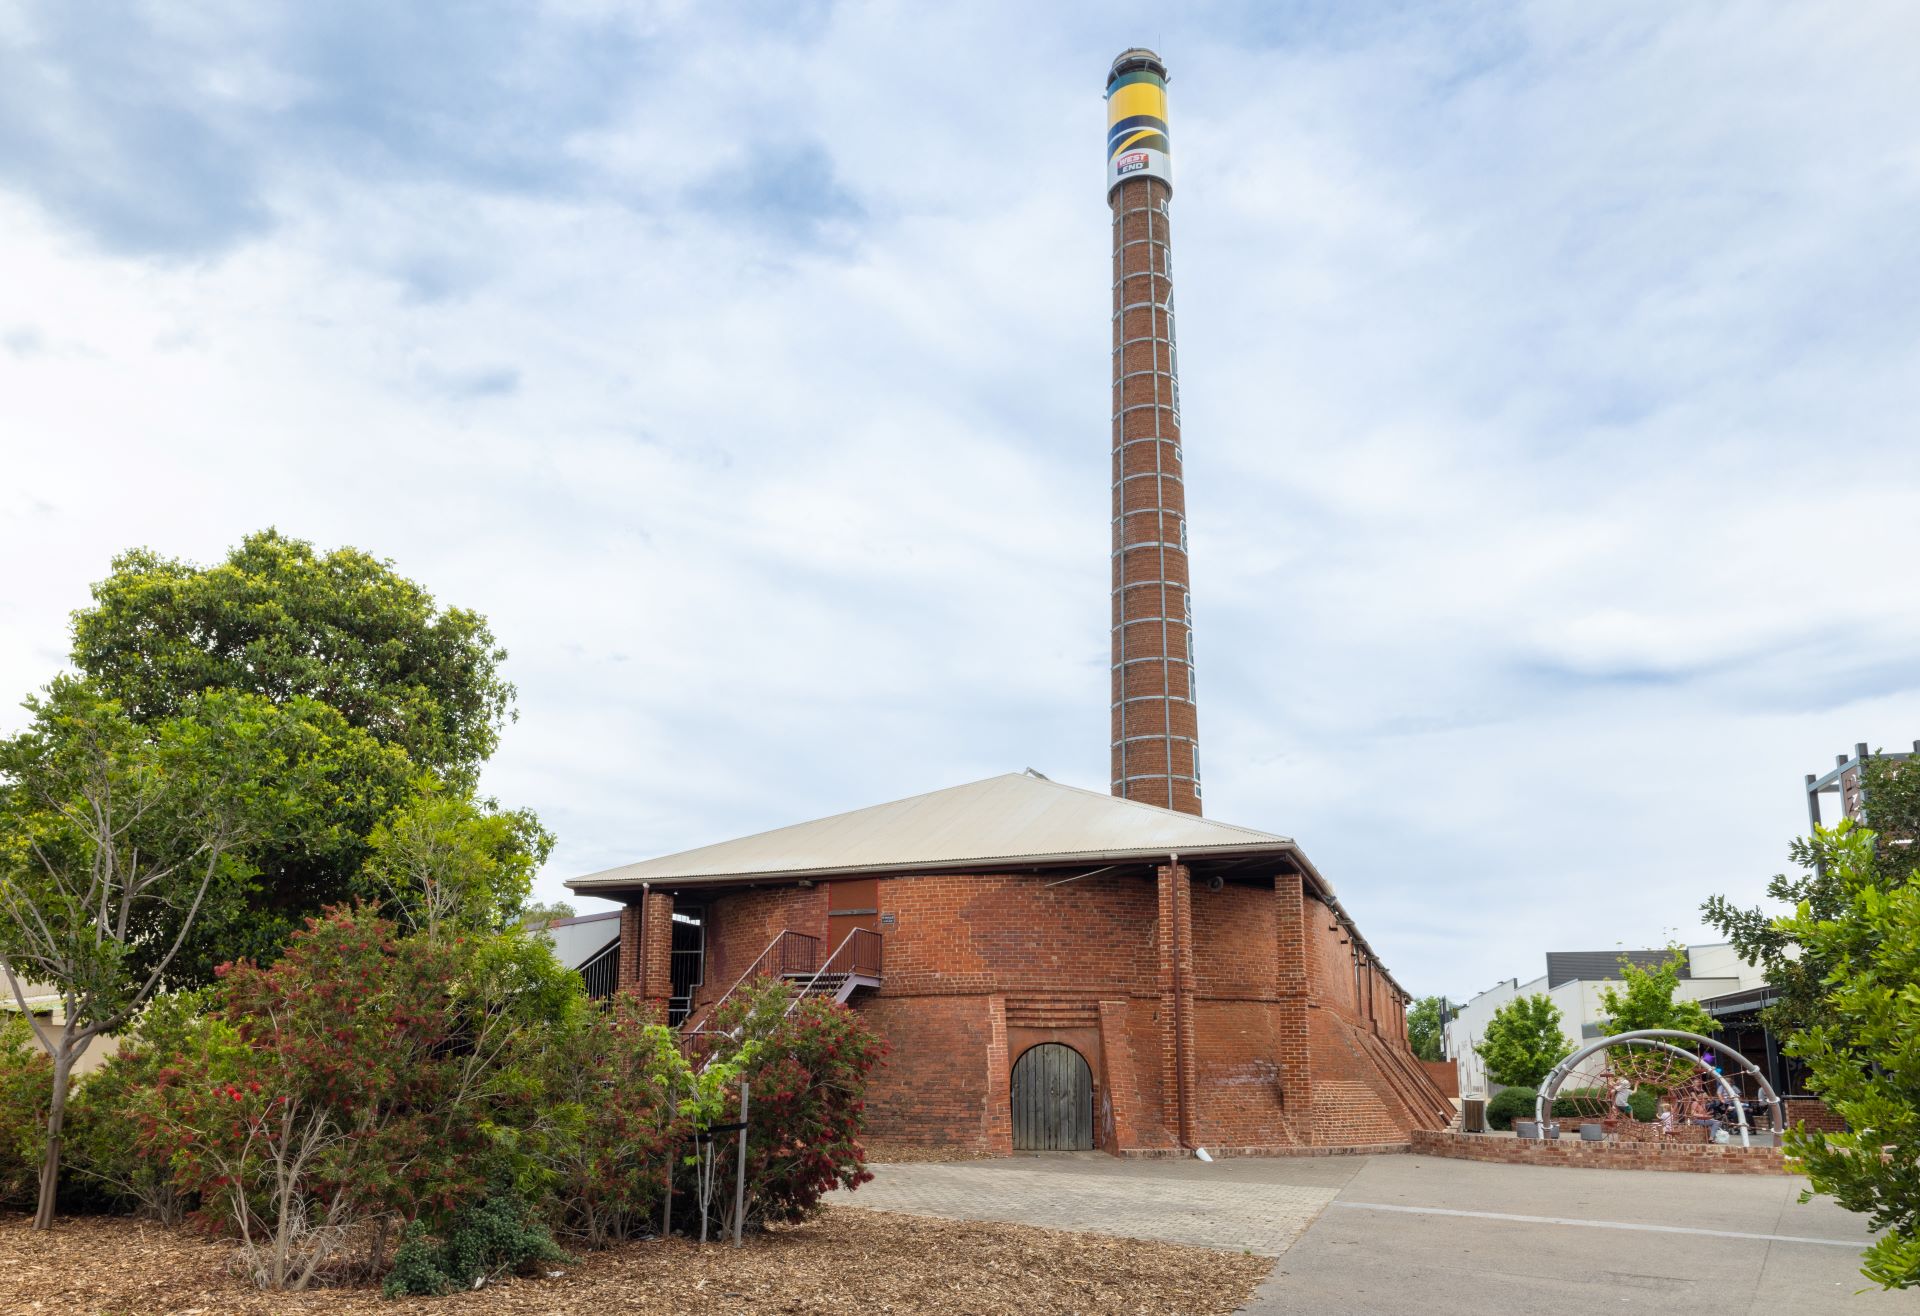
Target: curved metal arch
[1651,1037]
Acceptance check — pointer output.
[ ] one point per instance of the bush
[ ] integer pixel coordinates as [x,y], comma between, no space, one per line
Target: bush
[383,1080]
[113,1112]
[1509,1104]
[608,1086]
[498,1235]
[807,1106]
[1644,1104]
[1582,1103]
[26,1085]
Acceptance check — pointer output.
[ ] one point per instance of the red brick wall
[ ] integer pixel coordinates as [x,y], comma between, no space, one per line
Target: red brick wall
[1445,1075]
[1092,938]
[933,1088]
[1814,1114]
[741,923]
[1164,986]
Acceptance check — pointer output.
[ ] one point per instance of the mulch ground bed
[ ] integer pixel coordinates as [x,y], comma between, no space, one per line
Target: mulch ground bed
[846,1261]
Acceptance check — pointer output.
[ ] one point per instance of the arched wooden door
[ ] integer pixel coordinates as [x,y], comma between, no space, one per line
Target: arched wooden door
[1052,1100]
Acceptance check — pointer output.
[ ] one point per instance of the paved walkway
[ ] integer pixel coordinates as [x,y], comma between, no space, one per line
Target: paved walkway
[1421,1235]
[1234,1211]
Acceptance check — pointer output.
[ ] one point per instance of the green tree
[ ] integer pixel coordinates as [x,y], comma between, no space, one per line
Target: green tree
[1863,1051]
[278,620]
[443,862]
[1523,1041]
[1797,974]
[1426,1018]
[409,696]
[1647,999]
[114,838]
[539,913]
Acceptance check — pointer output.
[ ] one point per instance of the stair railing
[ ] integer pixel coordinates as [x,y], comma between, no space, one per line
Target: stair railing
[791,952]
[862,948]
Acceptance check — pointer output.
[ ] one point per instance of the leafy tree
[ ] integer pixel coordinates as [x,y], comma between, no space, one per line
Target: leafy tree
[1647,1000]
[1426,1018]
[1523,1041]
[443,862]
[1863,1052]
[114,838]
[1797,974]
[610,1081]
[278,620]
[416,703]
[539,913]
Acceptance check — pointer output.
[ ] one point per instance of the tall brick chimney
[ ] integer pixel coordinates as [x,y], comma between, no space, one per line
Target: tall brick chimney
[1156,757]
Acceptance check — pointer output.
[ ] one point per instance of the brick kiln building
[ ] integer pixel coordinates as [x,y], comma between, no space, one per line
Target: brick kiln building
[1055,968]
[1052,968]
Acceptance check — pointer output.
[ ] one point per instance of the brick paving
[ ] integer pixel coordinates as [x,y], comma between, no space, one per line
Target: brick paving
[1240,1212]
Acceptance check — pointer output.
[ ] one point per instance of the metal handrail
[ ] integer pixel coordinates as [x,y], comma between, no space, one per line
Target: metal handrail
[778,942]
[859,967]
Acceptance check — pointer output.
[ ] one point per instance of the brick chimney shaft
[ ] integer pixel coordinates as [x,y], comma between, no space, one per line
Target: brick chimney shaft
[1155,726]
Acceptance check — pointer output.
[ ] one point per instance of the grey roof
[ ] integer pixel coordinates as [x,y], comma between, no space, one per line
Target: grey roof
[1017,819]
[577,940]
[1603,965]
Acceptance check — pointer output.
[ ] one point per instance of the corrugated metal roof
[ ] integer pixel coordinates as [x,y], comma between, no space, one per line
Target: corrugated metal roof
[1018,819]
[1602,965]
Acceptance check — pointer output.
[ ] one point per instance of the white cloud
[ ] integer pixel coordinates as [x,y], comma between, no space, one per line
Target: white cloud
[1548,384]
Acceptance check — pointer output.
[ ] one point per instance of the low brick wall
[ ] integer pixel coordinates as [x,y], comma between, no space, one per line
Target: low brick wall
[1445,1075]
[1696,1158]
[1218,1153]
[1813,1114]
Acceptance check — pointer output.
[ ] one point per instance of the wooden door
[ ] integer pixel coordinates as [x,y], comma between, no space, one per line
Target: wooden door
[1052,1100]
[851,904]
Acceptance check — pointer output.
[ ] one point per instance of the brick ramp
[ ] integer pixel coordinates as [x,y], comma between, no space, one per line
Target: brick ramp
[1403,1098]
[1427,1106]
[1348,1112]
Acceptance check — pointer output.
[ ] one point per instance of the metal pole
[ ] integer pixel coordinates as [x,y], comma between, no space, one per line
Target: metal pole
[740,1170]
[666,1223]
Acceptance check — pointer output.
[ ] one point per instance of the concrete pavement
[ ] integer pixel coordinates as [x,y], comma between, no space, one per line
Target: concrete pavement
[1411,1234]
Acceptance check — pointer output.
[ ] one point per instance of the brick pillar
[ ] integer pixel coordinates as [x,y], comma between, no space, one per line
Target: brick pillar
[1122,1125]
[1291,912]
[1174,935]
[646,969]
[997,1124]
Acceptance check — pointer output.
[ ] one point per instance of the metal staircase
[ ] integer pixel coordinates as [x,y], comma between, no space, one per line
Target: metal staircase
[794,958]
[855,963]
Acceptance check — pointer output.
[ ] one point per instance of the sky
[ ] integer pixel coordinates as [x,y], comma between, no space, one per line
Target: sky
[1549,370]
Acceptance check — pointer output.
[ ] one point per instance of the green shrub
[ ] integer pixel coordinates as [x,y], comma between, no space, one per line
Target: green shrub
[1509,1104]
[1582,1103]
[26,1084]
[498,1235]
[1645,1104]
[807,1115]
[606,1082]
[113,1160]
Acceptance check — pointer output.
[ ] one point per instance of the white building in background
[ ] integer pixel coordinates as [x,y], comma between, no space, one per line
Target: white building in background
[1574,981]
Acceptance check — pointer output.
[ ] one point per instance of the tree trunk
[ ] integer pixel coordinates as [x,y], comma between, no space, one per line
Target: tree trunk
[56,1118]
